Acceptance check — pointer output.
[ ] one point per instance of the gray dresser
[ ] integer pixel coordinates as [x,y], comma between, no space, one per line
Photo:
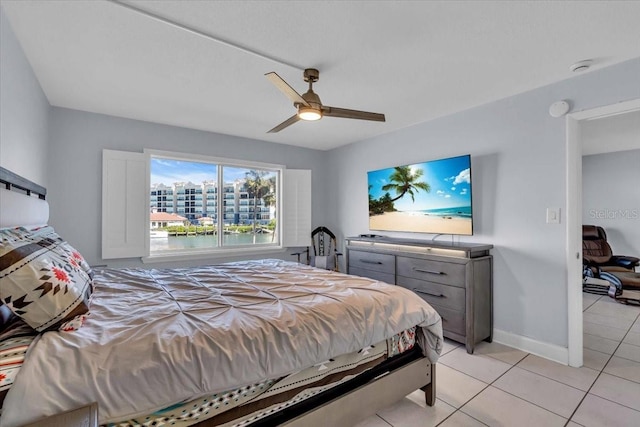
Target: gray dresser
[455,278]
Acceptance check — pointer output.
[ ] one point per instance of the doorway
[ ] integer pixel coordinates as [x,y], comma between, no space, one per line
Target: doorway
[574,122]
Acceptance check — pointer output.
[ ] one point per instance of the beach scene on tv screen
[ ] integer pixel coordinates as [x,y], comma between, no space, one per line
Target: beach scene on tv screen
[430,197]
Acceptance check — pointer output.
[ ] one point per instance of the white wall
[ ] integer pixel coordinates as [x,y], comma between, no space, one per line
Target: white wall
[24,111]
[620,132]
[518,170]
[611,198]
[75,182]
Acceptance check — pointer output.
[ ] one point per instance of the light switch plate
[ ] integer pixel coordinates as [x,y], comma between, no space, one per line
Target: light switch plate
[553,215]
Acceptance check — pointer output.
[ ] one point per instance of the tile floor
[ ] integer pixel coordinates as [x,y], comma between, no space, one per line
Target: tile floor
[501,386]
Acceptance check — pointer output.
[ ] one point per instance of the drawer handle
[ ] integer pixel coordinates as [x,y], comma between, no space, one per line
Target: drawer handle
[420,270]
[428,293]
[366,261]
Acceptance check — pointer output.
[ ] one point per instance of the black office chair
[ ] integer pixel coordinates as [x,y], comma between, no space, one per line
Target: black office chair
[600,263]
[596,251]
[325,252]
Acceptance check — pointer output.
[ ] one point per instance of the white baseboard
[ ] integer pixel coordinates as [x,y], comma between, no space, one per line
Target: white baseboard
[543,349]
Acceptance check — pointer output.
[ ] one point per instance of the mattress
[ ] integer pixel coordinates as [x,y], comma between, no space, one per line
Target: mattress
[254,402]
[159,337]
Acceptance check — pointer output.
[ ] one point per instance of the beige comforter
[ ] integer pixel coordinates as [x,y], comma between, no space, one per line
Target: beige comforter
[157,337]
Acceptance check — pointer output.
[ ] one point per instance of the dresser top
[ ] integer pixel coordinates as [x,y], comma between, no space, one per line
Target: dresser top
[467,250]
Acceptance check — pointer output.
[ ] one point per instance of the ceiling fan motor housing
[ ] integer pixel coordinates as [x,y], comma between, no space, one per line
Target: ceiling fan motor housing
[312,98]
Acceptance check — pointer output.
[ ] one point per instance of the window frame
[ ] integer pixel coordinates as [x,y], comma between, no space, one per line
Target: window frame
[220,250]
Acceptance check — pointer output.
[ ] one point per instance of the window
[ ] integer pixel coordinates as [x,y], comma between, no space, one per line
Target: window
[234,197]
[189,213]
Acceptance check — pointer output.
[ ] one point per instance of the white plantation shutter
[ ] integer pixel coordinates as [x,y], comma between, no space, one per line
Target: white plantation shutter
[296,209]
[125,204]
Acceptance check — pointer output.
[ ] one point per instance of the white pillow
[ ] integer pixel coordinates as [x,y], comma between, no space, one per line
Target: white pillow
[18,209]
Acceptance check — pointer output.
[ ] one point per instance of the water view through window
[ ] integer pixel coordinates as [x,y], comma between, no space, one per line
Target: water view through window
[189,242]
[200,205]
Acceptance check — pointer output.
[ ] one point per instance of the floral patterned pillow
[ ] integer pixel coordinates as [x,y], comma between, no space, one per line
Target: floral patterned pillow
[49,232]
[43,280]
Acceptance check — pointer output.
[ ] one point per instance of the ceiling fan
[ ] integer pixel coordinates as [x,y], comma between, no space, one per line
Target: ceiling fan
[309,106]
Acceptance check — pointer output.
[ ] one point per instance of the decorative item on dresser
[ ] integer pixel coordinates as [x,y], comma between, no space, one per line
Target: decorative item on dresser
[455,278]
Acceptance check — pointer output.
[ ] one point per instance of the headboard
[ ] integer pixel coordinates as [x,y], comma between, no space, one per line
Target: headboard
[22,202]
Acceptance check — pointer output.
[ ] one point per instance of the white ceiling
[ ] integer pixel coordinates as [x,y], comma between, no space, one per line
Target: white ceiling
[413,61]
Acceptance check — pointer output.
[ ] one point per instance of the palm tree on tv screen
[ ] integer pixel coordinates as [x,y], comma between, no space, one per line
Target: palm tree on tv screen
[404,181]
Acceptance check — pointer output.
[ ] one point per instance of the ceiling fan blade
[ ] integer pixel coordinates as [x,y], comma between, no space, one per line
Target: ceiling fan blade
[351,114]
[291,120]
[286,89]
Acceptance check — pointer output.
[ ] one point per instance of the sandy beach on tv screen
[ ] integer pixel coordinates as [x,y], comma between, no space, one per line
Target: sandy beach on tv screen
[406,221]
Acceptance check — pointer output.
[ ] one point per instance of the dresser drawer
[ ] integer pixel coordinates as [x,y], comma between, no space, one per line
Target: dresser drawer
[376,275]
[434,293]
[452,320]
[432,271]
[383,263]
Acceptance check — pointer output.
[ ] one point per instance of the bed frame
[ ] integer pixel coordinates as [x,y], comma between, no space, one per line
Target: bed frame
[364,397]
[344,405]
[358,398]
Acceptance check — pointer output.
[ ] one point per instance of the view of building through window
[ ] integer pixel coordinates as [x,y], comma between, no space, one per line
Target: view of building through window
[194,206]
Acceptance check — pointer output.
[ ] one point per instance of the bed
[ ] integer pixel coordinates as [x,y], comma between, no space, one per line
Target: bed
[258,342]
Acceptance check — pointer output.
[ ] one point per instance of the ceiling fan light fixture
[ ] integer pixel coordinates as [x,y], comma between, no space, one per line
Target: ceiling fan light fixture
[309,113]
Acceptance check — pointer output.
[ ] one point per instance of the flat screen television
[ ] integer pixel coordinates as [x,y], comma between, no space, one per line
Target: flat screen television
[430,197]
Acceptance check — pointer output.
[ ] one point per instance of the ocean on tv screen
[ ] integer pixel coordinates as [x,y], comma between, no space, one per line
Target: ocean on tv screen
[428,197]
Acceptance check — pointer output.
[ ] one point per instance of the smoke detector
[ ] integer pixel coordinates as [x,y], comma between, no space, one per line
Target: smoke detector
[581,66]
[559,109]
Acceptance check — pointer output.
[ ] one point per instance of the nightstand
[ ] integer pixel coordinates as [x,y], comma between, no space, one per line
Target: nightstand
[87,416]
